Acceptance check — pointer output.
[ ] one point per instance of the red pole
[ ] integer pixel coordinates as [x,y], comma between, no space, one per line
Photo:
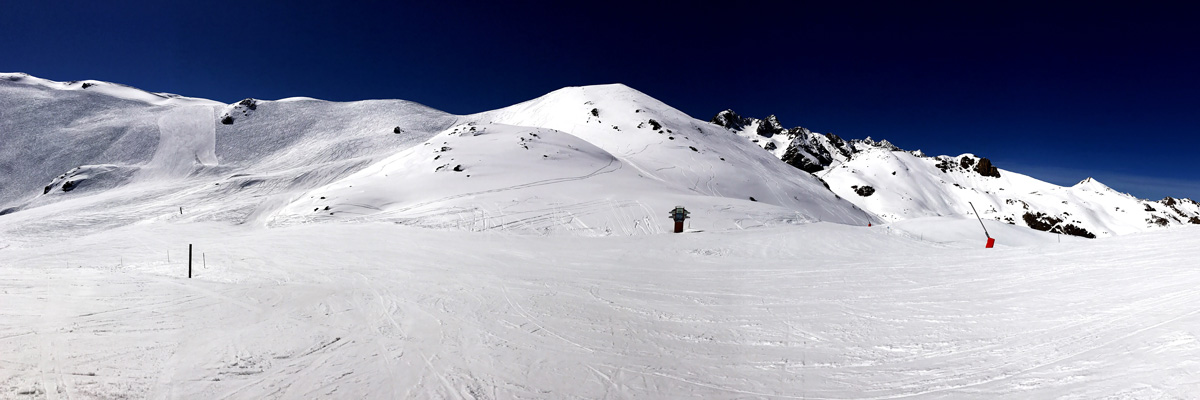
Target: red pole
[990,241]
[678,226]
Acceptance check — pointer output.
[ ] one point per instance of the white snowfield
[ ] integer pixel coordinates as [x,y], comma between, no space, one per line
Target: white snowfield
[384,249]
[385,311]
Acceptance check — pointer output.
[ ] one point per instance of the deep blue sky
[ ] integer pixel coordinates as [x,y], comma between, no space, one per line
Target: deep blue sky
[1058,92]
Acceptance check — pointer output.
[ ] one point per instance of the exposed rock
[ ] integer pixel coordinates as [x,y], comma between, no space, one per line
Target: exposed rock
[1194,220]
[1046,223]
[249,103]
[864,191]
[823,183]
[730,120]
[883,144]
[967,162]
[945,165]
[1073,230]
[227,120]
[986,168]
[1040,221]
[769,127]
[795,157]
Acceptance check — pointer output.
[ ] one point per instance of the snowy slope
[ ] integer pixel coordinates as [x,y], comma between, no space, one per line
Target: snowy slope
[821,310]
[905,186]
[124,158]
[87,148]
[553,164]
[898,185]
[680,152]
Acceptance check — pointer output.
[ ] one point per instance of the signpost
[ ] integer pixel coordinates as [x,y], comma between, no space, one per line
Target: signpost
[679,214]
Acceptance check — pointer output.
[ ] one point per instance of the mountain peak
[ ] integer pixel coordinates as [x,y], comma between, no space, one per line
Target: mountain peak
[1092,185]
[730,120]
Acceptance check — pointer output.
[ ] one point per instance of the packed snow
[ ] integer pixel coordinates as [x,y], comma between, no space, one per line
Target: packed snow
[386,311]
[384,249]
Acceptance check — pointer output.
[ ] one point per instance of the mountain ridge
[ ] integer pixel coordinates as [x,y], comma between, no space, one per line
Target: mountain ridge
[865,172]
[110,161]
[113,155]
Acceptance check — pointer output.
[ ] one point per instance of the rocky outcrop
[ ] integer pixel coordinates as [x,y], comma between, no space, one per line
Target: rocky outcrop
[805,149]
[730,120]
[985,168]
[1042,222]
[769,127]
[982,166]
[864,191]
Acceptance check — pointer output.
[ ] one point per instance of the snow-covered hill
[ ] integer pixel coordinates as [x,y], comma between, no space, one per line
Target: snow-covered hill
[898,185]
[595,160]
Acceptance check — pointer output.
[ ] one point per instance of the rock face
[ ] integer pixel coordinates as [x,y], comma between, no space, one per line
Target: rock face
[1046,223]
[864,191]
[769,127]
[730,120]
[986,168]
[798,147]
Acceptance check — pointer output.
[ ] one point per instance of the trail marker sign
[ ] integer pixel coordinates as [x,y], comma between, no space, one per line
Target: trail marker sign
[679,214]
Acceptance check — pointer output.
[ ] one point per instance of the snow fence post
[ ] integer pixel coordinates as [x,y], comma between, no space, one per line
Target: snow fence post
[189,261]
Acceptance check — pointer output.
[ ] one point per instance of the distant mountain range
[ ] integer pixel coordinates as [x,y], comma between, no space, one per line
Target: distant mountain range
[595,160]
[895,184]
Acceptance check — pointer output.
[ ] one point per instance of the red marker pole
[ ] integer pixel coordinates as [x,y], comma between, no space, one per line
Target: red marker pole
[990,241]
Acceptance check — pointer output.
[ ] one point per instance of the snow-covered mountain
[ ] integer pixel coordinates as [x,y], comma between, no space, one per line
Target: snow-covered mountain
[898,185]
[314,273]
[593,160]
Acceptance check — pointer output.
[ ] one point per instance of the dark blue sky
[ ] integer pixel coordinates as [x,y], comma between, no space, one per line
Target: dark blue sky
[1058,92]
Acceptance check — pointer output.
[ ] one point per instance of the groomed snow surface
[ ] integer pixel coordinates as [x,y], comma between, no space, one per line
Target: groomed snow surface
[380,310]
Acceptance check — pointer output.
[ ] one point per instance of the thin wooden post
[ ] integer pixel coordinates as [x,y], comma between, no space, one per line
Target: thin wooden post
[189,261]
